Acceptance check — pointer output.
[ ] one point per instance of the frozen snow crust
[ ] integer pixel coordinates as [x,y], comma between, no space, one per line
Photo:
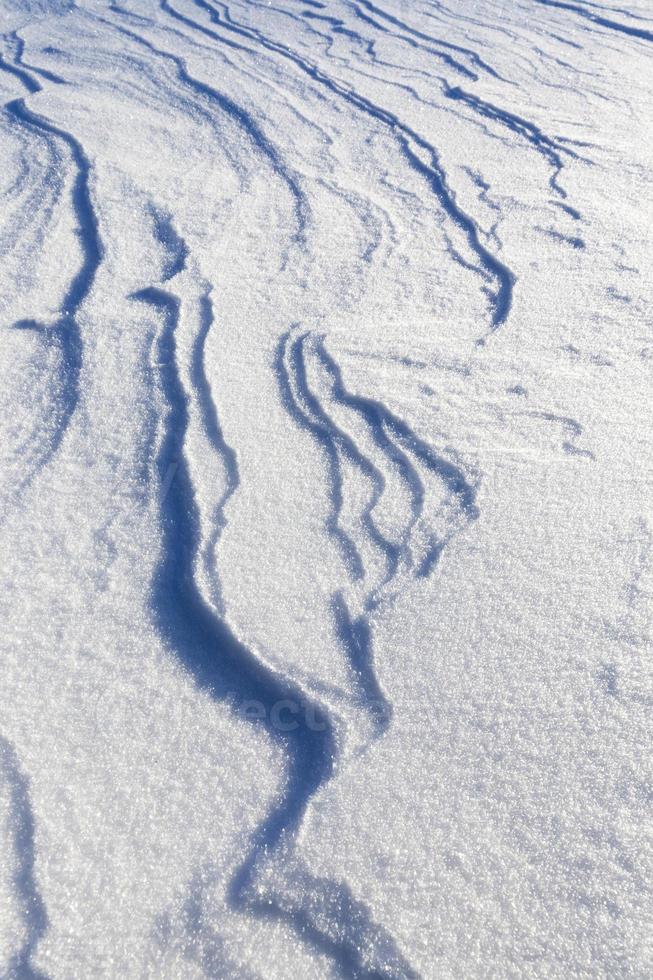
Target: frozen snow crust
[325,497]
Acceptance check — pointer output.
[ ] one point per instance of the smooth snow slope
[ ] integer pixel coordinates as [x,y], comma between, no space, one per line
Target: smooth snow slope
[325,498]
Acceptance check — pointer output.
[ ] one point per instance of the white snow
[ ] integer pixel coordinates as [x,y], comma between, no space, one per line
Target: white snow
[325,497]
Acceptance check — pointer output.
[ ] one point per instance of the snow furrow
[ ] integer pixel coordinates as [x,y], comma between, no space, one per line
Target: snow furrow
[324,488]
[219,662]
[421,156]
[612,25]
[64,334]
[21,845]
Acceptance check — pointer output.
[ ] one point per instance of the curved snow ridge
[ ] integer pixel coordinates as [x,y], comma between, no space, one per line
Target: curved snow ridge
[572,429]
[380,555]
[336,924]
[473,56]
[402,450]
[17,46]
[238,114]
[21,827]
[37,186]
[220,663]
[412,456]
[215,436]
[612,25]
[352,628]
[553,150]
[395,498]
[419,153]
[442,56]
[306,413]
[393,449]
[65,333]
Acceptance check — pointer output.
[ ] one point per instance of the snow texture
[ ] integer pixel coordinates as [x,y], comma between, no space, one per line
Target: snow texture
[325,496]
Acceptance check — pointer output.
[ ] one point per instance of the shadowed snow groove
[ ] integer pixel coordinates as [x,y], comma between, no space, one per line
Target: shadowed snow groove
[65,332]
[18,46]
[175,247]
[447,59]
[323,913]
[399,442]
[400,450]
[31,904]
[356,638]
[421,156]
[547,147]
[612,25]
[473,56]
[245,121]
[551,149]
[306,411]
[320,431]
[214,434]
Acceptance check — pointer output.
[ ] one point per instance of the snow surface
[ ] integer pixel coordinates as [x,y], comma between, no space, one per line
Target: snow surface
[325,498]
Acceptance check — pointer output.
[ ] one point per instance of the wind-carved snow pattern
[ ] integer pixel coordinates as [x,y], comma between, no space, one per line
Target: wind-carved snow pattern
[420,155]
[322,912]
[384,451]
[235,132]
[17,840]
[339,925]
[61,339]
